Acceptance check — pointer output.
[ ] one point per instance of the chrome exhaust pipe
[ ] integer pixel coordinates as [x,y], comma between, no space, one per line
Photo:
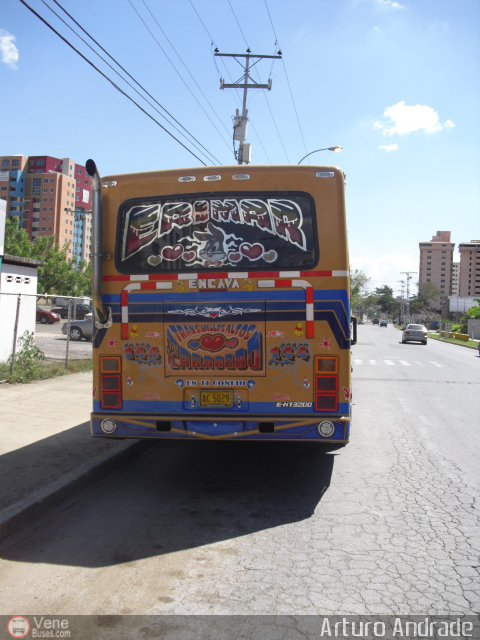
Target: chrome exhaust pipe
[102,314]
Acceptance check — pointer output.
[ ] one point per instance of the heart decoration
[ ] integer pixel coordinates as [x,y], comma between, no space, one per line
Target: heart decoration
[235,256]
[172,253]
[154,261]
[189,256]
[251,251]
[216,342]
[270,256]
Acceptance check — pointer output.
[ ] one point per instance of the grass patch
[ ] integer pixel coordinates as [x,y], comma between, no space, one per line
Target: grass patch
[42,370]
[30,364]
[471,344]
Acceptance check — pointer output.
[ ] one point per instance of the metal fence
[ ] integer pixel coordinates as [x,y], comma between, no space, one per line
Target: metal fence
[57,326]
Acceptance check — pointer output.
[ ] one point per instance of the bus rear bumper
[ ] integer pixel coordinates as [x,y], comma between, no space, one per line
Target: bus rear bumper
[324,429]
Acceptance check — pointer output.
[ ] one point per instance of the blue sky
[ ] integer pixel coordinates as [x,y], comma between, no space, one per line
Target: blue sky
[395,83]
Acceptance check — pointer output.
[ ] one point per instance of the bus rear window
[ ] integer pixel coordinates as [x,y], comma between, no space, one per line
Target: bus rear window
[217,231]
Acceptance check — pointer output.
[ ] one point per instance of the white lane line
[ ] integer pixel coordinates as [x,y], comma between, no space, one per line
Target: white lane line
[389,363]
[358,361]
[436,364]
[374,362]
[405,363]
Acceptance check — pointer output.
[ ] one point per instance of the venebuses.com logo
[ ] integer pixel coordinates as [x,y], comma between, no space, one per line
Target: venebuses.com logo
[38,627]
[18,627]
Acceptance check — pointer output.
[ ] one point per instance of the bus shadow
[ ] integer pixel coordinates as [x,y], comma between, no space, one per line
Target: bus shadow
[173,496]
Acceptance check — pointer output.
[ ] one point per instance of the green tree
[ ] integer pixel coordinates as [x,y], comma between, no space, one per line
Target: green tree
[358,287]
[56,273]
[474,312]
[422,302]
[385,300]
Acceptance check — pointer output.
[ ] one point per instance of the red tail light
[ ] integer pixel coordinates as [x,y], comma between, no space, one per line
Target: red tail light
[326,383]
[111,382]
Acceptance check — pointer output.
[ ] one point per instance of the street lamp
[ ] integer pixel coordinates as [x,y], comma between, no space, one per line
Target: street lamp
[334,149]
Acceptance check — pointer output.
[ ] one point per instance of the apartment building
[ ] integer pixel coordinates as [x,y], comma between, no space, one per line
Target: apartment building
[455,278]
[51,197]
[436,260]
[469,272]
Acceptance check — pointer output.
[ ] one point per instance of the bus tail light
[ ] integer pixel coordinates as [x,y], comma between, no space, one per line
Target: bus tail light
[326,384]
[111,382]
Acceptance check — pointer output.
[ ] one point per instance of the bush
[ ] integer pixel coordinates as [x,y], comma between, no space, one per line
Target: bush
[27,361]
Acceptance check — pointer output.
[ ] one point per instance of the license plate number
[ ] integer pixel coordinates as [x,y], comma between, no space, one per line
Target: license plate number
[216,399]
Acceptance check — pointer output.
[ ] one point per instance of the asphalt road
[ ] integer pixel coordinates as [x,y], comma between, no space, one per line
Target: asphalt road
[387,525]
[50,339]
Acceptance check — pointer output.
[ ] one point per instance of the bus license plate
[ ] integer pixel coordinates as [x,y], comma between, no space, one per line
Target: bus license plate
[216,399]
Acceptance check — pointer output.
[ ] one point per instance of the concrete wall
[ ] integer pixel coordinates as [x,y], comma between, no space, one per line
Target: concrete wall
[474,329]
[15,279]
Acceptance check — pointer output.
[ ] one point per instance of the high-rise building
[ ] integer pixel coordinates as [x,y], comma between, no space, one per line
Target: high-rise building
[436,258]
[455,278]
[51,197]
[469,276]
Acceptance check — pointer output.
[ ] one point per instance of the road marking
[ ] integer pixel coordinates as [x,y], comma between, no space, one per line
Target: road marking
[405,363]
[374,362]
[436,364]
[420,364]
[358,361]
[389,363]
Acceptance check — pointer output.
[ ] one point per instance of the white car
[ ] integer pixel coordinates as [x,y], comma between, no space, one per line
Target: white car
[415,333]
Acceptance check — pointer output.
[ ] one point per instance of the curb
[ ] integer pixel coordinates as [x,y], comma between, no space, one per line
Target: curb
[21,514]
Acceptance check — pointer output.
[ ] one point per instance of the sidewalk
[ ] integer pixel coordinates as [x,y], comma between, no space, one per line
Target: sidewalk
[45,444]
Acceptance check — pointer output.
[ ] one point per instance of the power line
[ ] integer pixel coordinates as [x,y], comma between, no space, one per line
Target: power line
[177,72]
[213,45]
[238,23]
[277,43]
[264,94]
[193,139]
[186,67]
[119,89]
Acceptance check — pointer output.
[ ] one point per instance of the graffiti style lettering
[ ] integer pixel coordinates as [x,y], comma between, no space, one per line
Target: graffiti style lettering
[288,353]
[208,244]
[175,214]
[231,348]
[143,354]
[142,228]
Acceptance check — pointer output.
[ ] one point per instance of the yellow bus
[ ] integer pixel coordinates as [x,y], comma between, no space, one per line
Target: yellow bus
[222,305]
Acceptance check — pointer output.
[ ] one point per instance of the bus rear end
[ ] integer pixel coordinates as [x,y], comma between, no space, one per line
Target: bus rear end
[224,306]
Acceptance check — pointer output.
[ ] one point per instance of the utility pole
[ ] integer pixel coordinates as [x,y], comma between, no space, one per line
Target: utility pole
[245,82]
[409,275]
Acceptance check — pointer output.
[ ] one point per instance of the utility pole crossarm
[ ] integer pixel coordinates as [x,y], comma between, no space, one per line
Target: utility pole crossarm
[246,55]
[254,85]
[245,82]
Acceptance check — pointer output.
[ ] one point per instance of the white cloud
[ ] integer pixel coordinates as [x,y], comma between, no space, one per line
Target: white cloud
[8,51]
[390,4]
[386,268]
[403,119]
[388,147]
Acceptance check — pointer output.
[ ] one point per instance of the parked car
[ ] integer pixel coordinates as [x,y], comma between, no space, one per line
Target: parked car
[375,321]
[44,316]
[78,329]
[414,333]
[383,323]
[78,311]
